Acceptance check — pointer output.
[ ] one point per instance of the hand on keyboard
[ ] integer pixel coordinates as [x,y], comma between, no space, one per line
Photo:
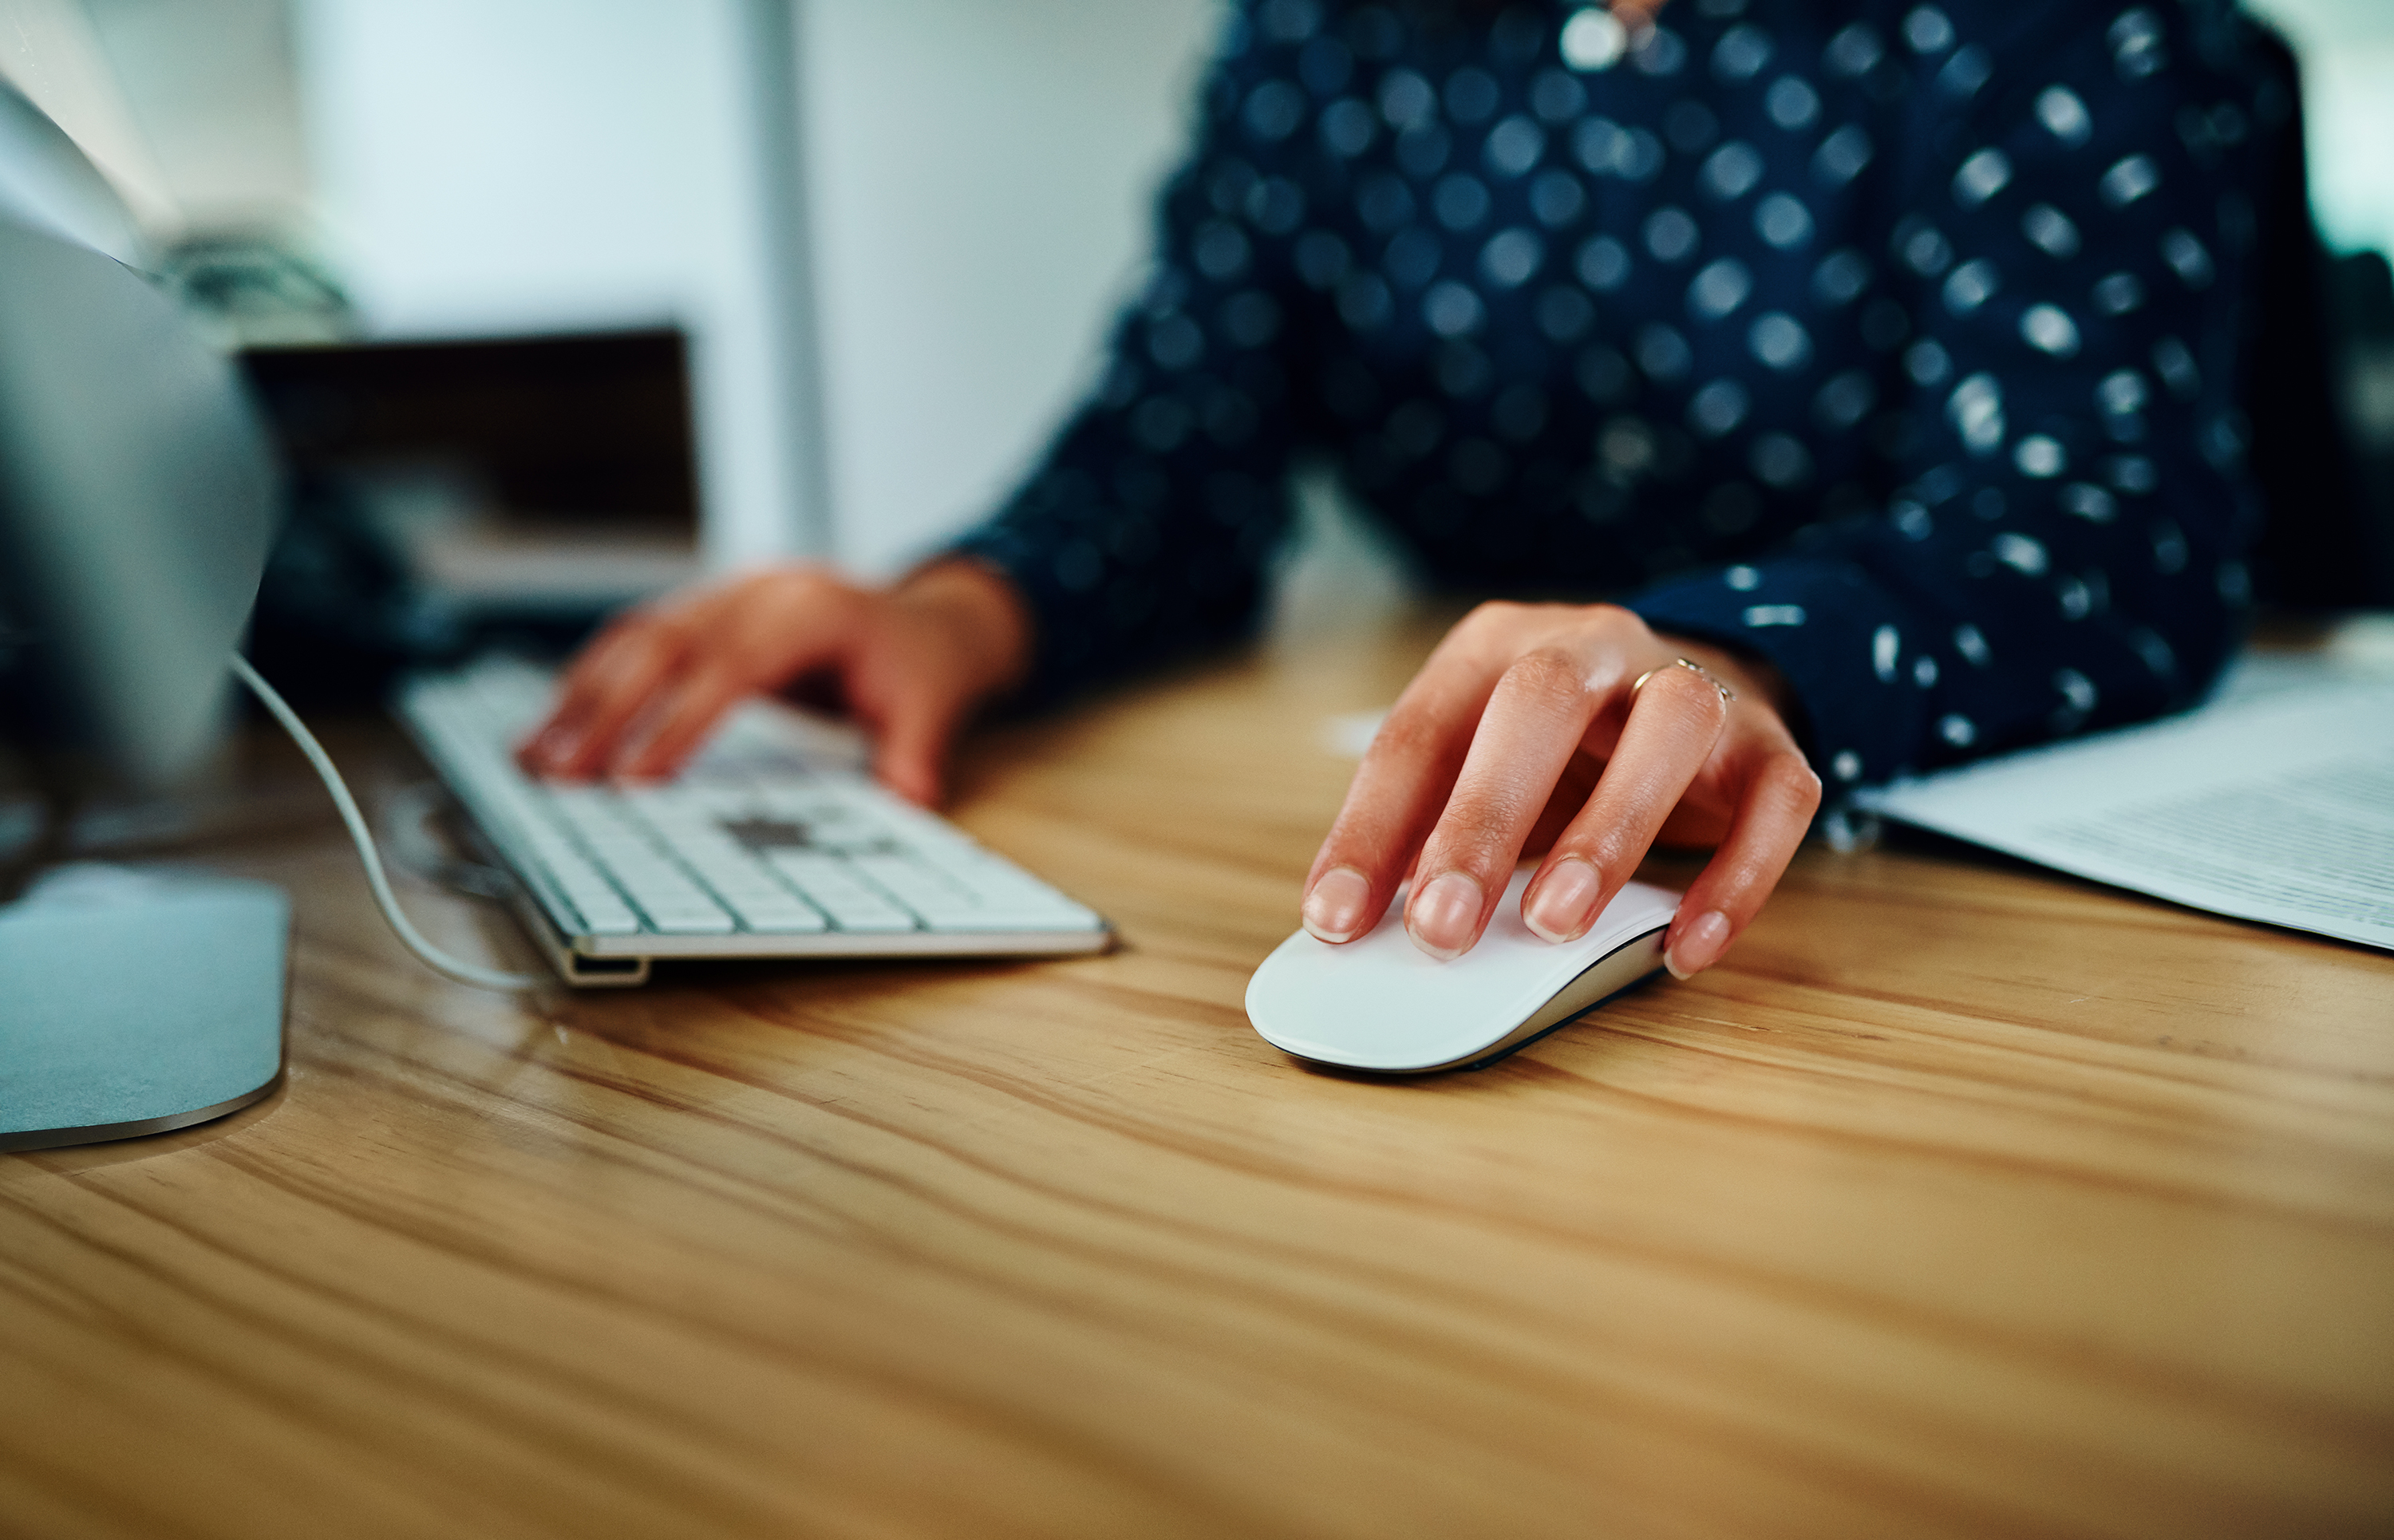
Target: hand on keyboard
[910,663]
[769,843]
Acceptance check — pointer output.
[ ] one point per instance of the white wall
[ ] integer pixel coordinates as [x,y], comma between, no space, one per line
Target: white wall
[211,87]
[983,177]
[489,167]
[2347,49]
[980,172]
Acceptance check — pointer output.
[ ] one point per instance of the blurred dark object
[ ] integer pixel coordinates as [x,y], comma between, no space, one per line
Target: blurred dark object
[2361,307]
[450,496]
[254,288]
[570,430]
[2319,390]
[338,612]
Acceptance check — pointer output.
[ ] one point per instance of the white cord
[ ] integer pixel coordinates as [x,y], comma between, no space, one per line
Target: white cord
[439,961]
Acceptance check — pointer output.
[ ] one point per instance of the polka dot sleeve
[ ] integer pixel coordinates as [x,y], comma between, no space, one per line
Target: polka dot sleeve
[2062,550]
[1146,530]
[1896,341]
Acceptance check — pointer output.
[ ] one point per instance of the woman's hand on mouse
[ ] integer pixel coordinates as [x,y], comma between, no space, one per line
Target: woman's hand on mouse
[1528,728]
[910,662]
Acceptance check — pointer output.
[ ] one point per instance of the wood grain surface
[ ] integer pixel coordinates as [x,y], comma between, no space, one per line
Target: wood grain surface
[1962,1199]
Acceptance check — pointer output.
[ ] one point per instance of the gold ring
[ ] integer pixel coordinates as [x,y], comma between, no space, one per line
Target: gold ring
[1692,667]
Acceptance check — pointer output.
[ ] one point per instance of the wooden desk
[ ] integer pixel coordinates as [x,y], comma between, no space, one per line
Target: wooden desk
[1962,1198]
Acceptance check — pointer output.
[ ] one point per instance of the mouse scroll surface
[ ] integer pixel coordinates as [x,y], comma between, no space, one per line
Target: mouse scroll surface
[1382,1003]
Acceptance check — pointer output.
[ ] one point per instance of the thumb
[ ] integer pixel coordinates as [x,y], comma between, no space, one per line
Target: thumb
[915,724]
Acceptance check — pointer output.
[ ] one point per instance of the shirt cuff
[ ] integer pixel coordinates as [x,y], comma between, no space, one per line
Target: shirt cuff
[1835,635]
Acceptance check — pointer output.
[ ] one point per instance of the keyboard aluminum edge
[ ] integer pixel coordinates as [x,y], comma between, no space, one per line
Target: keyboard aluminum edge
[852,944]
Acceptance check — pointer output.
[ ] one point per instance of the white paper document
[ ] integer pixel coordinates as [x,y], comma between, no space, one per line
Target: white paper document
[2275,802]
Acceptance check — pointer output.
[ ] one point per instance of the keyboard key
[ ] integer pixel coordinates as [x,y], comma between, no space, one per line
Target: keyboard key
[831,886]
[672,904]
[947,904]
[603,911]
[783,913]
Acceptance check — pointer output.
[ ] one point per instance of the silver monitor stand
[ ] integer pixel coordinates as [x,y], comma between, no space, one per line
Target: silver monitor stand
[135,1005]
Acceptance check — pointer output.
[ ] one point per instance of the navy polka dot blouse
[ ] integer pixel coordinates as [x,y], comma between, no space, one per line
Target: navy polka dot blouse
[1897,343]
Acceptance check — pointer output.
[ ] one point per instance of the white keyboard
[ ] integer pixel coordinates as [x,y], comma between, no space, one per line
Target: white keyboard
[773,843]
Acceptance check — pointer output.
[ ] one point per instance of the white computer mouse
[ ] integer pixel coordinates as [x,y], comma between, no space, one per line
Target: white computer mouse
[1382,1003]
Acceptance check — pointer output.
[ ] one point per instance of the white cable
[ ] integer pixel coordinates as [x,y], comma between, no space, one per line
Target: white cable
[439,961]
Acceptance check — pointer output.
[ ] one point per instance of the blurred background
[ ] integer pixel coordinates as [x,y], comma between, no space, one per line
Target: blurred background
[557,302]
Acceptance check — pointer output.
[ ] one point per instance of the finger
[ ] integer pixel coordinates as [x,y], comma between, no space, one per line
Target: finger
[915,725]
[1676,720]
[547,746]
[1572,792]
[680,715]
[1699,823]
[773,633]
[907,691]
[1536,718]
[1403,781]
[604,691]
[1782,794]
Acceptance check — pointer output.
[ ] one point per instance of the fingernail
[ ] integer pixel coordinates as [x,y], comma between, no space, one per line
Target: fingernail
[1333,911]
[1565,901]
[1699,946]
[1445,915]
